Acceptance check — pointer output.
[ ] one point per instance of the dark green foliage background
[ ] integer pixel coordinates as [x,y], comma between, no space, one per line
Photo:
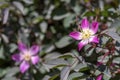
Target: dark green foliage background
[48,24]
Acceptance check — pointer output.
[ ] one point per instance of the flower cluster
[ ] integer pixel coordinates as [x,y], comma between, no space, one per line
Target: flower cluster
[86,34]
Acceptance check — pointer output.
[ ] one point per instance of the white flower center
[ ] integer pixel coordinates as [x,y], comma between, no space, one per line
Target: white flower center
[27,57]
[86,34]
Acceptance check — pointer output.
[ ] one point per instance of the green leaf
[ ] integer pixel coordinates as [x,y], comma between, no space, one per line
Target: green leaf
[5,38]
[107,74]
[81,67]
[68,20]
[3,4]
[19,6]
[12,71]
[84,69]
[2,53]
[13,47]
[64,73]
[53,55]
[2,72]
[113,34]
[5,15]
[43,26]
[63,42]
[116,60]
[54,77]
[74,75]
[57,62]
[9,78]
[89,13]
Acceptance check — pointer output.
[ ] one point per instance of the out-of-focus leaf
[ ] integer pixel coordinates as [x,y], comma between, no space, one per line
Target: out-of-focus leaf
[97,72]
[66,55]
[90,52]
[19,6]
[104,40]
[46,77]
[80,67]
[23,35]
[101,4]
[5,38]
[28,1]
[52,55]
[74,75]
[5,15]
[114,35]
[116,23]
[54,77]
[107,74]
[3,4]
[60,17]
[80,58]
[56,62]
[38,19]
[13,47]
[68,20]
[77,9]
[49,48]
[103,59]
[49,11]
[105,13]
[89,14]
[117,47]
[2,53]
[105,77]
[98,50]
[9,78]
[2,72]
[118,30]
[116,60]
[43,27]
[43,68]
[59,11]
[12,71]
[63,42]
[84,69]
[64,73]
[53,29]
[67,1]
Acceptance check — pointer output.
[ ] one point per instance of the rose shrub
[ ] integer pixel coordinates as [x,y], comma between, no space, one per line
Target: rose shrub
[37,40]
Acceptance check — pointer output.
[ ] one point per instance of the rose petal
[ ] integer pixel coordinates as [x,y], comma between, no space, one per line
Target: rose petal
[22,47]
[85,24]
[94,39]
[94,27]
[82,44]
[24,66]
[34,49]
[16,57]
[35,59]
[76,35]
[99,77]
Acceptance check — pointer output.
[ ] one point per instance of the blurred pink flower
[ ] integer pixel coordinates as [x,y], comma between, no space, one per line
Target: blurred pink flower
[26,56]
[99,77]
[87,33]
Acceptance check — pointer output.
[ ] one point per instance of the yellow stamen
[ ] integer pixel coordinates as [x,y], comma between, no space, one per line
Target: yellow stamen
[86,34]
[27,57]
